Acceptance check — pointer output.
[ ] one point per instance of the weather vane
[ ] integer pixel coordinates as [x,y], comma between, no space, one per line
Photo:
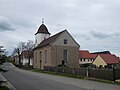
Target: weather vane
[42,20]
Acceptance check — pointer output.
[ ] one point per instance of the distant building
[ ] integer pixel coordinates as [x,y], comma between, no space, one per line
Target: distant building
[103,60]
[55,50]
[86,58]
[16,59]
[27,57]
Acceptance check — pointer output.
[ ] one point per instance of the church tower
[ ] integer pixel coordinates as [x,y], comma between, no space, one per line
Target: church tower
[41,34]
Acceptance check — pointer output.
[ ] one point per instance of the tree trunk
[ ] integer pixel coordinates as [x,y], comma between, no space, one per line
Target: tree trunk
[28,59]
[29,62]
[19,61]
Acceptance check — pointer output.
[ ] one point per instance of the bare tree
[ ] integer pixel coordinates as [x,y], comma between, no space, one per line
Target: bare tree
[1,49]
[2,54]
[21,46]
[29,47]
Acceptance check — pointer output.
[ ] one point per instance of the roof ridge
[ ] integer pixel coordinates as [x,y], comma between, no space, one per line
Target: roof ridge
[49,40]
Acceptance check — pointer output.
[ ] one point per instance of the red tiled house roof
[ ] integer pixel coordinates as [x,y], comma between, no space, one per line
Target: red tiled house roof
[94,55]
[86,54]
[110,58]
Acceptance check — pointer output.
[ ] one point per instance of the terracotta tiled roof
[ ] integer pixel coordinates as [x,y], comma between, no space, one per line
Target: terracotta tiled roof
[43,29]
[49,40]
[86,54]
[94,55]
[110,58]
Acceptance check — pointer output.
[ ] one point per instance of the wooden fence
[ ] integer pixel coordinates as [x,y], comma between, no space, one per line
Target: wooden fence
[107,74]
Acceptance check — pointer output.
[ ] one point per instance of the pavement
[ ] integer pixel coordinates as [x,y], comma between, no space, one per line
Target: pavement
[8,84]
[27,80]
[2,78]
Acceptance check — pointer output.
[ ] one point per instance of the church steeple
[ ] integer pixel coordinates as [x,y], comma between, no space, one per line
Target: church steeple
[41,34]
[43,28]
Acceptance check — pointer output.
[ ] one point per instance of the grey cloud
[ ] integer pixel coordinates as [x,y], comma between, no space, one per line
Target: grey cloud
[81,36]
[22,22]
[74,15]
[99,35]
[5,24]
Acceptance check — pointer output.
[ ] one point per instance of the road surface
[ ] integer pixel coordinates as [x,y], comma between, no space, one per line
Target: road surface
[27,80]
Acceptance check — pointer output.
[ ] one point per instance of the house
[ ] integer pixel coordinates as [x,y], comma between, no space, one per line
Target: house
[16,59]
[59,49]
[27,57]
[86,58]
[103,60]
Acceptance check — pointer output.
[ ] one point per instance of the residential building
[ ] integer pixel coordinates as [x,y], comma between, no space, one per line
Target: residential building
[27,57]
[55,50]
[86,58]
[16,59]
[106,60]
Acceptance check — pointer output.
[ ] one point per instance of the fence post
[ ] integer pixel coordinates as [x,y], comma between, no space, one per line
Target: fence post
[63,70]
[88,71]
[114,76]
[73,71]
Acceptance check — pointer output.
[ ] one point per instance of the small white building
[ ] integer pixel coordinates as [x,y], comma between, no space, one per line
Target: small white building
[27,57]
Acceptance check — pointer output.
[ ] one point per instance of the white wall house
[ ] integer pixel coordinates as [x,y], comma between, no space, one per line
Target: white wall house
[85,57]
[25,61]
[26,55]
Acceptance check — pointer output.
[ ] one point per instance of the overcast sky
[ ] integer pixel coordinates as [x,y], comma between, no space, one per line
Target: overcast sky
[94,24]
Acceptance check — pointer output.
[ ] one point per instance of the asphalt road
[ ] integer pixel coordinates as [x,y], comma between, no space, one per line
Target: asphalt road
[26,80]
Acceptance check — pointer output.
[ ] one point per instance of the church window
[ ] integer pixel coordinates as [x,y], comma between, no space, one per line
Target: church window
[35,57]
[65,41]
[65,56]
[40,56]
[45,56]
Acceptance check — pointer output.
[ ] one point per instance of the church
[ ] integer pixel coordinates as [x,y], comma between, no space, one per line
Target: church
[55,50]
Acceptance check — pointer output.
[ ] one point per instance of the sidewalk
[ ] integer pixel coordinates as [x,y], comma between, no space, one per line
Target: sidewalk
[9,85]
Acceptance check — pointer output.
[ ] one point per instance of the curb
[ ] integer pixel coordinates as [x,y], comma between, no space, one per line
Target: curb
[9,85]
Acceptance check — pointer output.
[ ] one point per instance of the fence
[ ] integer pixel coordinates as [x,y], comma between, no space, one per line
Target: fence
[107,74]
